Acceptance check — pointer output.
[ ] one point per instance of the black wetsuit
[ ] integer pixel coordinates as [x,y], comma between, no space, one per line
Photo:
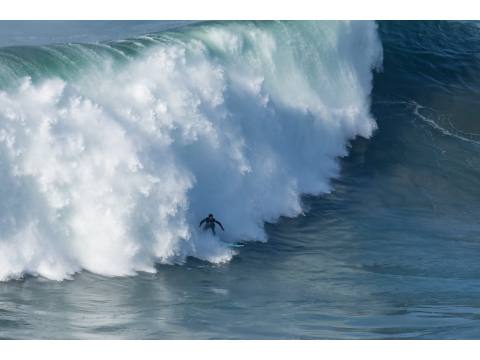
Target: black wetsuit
[210,224]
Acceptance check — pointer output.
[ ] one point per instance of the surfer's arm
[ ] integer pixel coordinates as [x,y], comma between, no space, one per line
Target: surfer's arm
[219,223]
[201,222]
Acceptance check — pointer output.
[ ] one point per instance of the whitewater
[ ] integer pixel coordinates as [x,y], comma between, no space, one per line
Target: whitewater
[112,152]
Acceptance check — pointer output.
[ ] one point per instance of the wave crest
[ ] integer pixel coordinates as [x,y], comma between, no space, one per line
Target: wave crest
[112,171]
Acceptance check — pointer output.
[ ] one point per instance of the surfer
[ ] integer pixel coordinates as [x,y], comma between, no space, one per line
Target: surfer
[210,223]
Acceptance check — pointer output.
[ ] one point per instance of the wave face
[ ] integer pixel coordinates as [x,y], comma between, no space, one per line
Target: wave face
[111,153]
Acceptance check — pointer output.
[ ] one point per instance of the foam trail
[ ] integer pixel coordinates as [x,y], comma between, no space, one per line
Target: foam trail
[109,163]
[457,134]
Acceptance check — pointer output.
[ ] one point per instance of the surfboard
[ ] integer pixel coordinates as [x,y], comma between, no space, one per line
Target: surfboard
[232,245]
[220,239]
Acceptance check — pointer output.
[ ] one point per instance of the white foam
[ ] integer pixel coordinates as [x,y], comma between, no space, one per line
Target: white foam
[113,172]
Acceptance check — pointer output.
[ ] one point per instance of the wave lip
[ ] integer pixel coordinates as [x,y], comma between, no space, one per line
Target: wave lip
[111,171]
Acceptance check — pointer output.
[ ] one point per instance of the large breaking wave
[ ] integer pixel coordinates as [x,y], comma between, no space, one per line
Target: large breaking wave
[111,153]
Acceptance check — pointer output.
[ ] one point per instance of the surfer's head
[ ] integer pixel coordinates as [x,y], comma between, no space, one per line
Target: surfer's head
[210,215]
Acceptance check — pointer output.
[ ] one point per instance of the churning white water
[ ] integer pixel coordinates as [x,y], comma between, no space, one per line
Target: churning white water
[112,170]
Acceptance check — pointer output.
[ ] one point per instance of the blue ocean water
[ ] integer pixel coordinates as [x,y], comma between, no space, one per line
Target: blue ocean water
[357,175]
